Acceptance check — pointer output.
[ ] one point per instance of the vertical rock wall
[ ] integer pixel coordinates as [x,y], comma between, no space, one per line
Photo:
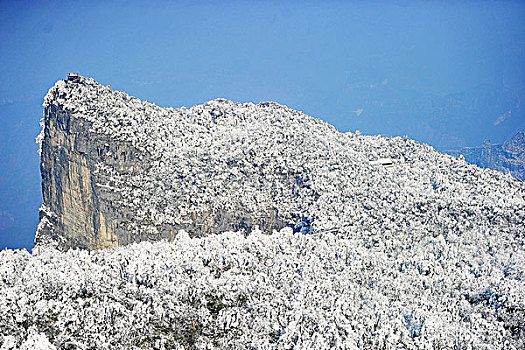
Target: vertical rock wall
[71,214]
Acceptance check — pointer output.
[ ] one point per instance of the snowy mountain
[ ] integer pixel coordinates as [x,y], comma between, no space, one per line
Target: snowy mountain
[117,170]
[272,230]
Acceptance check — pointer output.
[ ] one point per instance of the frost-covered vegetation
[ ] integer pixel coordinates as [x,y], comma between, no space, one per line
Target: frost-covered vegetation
[389,244]
[270,291]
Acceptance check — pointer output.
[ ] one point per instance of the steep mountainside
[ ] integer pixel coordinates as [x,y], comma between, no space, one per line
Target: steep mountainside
[508,157]
[117,170]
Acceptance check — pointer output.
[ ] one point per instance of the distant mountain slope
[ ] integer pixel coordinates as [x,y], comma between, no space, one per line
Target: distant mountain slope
[117,170]
[508,157]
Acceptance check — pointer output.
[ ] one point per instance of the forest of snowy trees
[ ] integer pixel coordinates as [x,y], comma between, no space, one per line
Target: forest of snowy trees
[268,291]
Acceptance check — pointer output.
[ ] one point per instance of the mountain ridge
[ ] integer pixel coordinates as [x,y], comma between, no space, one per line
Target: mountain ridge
[118,170]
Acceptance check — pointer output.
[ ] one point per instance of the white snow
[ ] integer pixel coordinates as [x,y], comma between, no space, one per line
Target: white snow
[269,291]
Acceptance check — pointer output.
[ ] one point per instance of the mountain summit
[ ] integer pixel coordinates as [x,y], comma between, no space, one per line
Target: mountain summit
[117,170]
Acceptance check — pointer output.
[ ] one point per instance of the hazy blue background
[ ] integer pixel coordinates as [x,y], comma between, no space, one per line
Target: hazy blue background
[446,73]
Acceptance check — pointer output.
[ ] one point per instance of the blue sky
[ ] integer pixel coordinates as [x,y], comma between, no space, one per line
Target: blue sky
[442,72]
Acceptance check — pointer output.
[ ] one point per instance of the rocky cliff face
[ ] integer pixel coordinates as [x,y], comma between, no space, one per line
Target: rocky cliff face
[77,211]
[117,170]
